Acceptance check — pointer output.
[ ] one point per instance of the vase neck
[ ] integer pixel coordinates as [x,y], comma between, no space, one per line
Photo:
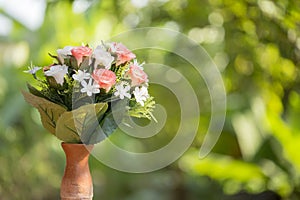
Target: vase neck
[77,152]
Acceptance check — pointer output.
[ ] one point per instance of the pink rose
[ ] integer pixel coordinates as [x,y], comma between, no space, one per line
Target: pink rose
[79,52]
[123,54]
[137,75]
[105,78]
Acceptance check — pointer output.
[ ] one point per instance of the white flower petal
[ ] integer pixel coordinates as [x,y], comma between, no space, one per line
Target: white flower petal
[81,75]
[141,94]
[95,91]
[89,88]
[32,69]
[84,84]
[89,93]
[83,90]
[122,90]
[102,57]
[65,51]
[58,72]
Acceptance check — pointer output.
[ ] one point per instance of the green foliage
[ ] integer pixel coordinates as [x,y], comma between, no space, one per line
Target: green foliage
[139,111]
[87,124]
[50,112]
[234,174]
[81,124]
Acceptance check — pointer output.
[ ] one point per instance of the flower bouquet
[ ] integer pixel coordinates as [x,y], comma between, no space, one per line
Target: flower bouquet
[86,93]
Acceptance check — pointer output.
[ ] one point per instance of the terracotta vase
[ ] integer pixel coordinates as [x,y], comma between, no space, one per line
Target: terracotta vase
[77,181]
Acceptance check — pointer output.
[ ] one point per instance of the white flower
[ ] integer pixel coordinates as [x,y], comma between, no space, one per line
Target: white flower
[90,88]
[103,57]
[81,75]
[141,94]
[32,69]
[65,51]
[122,90]
[58,72]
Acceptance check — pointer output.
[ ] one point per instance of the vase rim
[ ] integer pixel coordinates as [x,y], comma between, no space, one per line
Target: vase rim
[89,147]
[66,143]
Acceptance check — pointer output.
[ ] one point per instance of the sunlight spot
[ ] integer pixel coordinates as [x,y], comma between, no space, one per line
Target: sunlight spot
[30,13]
[270,8]
[172,25]
[215,19]
[6,25]
[131,20]
[80,6]
[139,3]
[16,55]
[221,59]
[208,34]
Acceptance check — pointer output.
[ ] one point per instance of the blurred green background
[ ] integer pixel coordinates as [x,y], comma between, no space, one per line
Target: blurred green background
[254,43]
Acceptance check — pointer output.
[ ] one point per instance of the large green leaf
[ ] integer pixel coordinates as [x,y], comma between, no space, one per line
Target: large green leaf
[50,112]
[108,124]
[112,119]
[82,125]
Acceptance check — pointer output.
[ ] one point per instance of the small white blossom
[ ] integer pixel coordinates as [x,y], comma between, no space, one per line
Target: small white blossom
[122,90]
[81,75]
[32,69]
[103,57]
[90,88]
[58,72]
[141,94]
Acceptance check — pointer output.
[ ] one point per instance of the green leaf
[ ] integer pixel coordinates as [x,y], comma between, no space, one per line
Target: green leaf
[34,91]
[50,112]
[82,125]
[85,63]
[66,130]
[113,118]
[73,63]
[55,57]
[108,124]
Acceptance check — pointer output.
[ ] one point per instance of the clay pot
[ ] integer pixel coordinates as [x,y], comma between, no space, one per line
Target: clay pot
[77,181]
